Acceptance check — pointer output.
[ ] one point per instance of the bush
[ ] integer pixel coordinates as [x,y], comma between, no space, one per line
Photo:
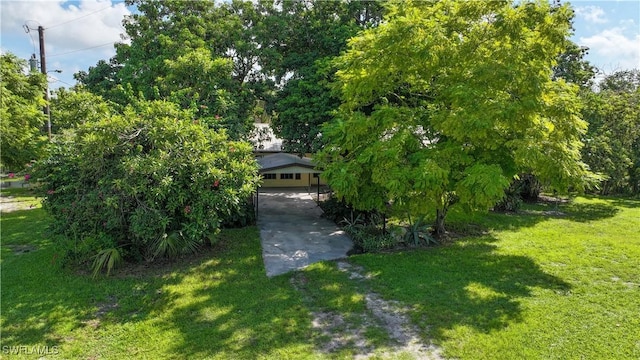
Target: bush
[369,238]
[337,211]
[151,183]
[529,187]
[526,188]
[511,201]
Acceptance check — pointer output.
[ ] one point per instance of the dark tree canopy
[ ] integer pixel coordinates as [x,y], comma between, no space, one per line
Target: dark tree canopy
[316,32]
[221,58]
[573,68]
[612,143]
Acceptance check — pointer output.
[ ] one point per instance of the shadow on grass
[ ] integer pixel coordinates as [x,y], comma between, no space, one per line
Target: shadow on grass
[590,212]
[625,202]
[465,284]
[24,226]
[240,312]
[220,304]
[531,214]
[39,297]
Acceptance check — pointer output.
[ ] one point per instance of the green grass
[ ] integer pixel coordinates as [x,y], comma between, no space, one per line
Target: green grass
[533,287]
[220,305]
[528,286]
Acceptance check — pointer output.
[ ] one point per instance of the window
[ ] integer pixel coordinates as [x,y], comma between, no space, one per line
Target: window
[315,175]
[269,176]
[286,176]
[298,176]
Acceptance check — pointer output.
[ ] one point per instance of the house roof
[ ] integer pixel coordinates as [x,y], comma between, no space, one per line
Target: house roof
[282,161]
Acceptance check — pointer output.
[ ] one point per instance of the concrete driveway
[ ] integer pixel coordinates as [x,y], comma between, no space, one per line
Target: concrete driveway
[293,234]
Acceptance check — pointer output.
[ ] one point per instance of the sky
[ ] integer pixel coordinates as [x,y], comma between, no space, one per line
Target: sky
[80,33]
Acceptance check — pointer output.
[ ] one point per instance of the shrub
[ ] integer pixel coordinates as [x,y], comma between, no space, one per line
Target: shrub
[529,187]
[369,238]
[526,188]
[511,201]
[151,183]
[338,211]
[418,233]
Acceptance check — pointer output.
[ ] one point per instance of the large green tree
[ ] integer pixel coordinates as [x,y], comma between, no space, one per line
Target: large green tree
[311,34]
[448,101]
[102,79]
[200,55]
[21,112]
[612,143]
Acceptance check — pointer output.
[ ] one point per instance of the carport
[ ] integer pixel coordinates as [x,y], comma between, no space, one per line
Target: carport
[292,232]
[273,169]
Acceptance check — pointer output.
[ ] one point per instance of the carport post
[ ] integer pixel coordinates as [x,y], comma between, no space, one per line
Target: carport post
[318,187]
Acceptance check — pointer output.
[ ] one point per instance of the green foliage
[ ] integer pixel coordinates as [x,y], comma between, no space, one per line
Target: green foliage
[626,81]
[200,55]
[21,106]
[573,68]
[106,259]
[72,108]
[304,105]
[311,37]
[341,213]
[102,80]
[450,100]
[367,237]
[149,183]
[512,200]
[370,239]
[418,233]
[612,143]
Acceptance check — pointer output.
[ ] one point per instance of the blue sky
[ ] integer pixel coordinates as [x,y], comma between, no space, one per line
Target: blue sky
[79,33]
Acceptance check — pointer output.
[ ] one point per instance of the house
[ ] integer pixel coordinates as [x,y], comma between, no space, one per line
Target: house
[280,169]
[288,170]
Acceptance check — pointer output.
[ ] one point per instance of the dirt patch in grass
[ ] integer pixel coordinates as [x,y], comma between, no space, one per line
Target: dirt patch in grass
[9,203]
[394,320]
[339,331]
[102,310]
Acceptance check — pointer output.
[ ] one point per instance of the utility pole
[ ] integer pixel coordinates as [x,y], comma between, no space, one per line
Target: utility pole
[43,69]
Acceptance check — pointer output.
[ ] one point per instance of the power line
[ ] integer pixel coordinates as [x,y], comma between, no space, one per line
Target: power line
[78,18]
[30,36]
[88,48]
[27,29]
[62,81]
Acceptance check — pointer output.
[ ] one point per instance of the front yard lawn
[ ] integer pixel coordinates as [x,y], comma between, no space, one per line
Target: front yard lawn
[542,284]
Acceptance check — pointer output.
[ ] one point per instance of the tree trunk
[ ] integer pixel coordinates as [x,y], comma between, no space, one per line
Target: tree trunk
[440,215]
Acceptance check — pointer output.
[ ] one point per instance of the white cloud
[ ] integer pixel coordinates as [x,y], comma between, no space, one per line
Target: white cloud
[594,14]
[614,49]
[68,26]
